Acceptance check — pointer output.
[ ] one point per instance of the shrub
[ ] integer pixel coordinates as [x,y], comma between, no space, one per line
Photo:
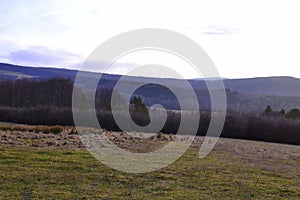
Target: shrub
[293,114]
[56,129]
[138,106]
[160,135]
[73,131]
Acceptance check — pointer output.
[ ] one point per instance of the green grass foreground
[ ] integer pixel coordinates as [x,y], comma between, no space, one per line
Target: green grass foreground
[31,173]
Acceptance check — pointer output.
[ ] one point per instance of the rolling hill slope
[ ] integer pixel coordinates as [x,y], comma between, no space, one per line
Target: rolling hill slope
[246,95]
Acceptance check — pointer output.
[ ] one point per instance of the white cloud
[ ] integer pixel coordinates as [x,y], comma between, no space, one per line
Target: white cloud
[219,30]
[43,56]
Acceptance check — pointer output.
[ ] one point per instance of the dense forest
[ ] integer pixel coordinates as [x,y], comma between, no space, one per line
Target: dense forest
[49,102]
[28,93]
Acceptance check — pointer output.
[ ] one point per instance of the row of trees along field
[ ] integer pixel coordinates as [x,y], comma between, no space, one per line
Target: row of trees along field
[49,102]
[291,114]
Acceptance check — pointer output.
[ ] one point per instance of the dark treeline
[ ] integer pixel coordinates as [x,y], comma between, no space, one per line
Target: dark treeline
[48,93]
[31,93]
[240,126]
[49,103]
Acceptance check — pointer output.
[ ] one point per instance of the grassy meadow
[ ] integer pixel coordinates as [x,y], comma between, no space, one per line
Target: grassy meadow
[235,169]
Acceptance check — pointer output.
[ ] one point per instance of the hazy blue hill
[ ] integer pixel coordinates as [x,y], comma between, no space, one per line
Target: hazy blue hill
[283,86]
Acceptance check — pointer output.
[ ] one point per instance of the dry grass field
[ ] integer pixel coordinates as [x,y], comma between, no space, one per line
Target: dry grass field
[38,164]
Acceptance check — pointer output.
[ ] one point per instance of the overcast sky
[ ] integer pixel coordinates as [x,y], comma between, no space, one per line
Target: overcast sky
[243,38]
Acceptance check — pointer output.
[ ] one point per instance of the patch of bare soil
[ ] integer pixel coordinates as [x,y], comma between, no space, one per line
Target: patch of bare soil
[69,139]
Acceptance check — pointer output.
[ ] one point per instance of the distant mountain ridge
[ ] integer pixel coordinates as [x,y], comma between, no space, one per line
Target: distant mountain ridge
[6,71]
[280,86]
